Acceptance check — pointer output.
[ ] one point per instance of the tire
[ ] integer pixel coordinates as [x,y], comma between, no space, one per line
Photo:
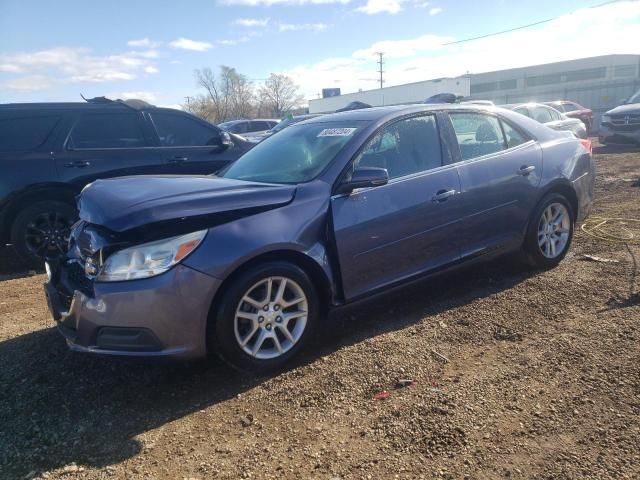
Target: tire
[545,246]
[41,231]
[235,319]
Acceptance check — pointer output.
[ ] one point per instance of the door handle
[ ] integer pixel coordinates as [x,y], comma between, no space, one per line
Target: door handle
[526,170]
[443,195]
[178,159]
[77,164]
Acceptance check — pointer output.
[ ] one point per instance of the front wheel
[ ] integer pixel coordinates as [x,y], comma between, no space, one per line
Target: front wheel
[550,232]
[265,317]
[41,231]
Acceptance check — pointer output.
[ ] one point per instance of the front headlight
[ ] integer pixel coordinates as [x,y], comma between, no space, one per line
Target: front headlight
[149,259]
[605,119]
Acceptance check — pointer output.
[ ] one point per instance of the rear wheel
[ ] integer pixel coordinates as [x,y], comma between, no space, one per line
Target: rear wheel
[550,232]
[265,317]
[41,231]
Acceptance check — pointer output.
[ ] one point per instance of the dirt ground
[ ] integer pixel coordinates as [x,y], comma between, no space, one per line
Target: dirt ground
[517,374]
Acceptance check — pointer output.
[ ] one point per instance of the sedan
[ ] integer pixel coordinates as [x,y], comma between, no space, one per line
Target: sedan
[574,110]
[550,117]
[329,211]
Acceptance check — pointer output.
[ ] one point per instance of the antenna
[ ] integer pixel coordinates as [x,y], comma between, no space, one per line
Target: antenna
[380,63]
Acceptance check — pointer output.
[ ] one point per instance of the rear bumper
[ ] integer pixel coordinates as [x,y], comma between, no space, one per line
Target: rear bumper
[160,316]
[609,136]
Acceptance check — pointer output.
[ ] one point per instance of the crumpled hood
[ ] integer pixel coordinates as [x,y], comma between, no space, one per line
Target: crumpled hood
[622,109]
[125,203]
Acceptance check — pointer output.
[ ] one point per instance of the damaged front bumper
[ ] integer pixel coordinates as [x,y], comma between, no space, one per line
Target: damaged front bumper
[159,316]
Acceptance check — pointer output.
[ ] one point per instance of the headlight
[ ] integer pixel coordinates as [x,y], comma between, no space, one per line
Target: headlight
[605,119]
[149,259]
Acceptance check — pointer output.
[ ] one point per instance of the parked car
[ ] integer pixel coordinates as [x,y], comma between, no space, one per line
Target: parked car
[50,151]
[574,110]
[550,117]
[327,212]
[251,130]
[288,122]
[621,125]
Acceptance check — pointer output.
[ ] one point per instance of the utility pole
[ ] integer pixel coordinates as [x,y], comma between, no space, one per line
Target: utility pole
[380,63]
[188,99]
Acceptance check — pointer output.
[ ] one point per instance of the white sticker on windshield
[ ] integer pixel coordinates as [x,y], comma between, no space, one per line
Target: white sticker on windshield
[336,132]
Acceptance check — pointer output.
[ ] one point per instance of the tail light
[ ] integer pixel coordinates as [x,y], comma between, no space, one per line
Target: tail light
[586,143]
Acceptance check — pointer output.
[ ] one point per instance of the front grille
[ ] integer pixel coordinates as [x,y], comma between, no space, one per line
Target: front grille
[630,121]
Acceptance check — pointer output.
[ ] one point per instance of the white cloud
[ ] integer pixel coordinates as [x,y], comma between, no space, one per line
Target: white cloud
[10,68]
[435,11]
[268,3]
[150,97]
[404,48]
[251,22]
[32,83]
[151,69]
[143,43]
[373,7]
[290,27]
[188,44]
[65,64]
[425,57]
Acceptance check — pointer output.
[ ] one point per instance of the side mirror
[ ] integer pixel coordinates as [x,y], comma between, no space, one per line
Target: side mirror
[222,141]
[365,177]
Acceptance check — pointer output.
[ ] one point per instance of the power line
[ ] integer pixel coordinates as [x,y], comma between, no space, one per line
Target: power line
[527,25]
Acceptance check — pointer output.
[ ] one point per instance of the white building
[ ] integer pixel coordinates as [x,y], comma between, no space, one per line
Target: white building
[599,83]
[409,93]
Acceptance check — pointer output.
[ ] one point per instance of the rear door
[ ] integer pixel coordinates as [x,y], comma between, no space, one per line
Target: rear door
[101,145]
[188,145]
[409,226]
[500,168]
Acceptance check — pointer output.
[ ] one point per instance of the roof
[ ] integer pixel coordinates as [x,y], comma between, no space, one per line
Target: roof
[376,113]
[92,103]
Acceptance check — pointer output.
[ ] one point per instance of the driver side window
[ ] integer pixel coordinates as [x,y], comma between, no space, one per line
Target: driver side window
[182,131]
[405,147]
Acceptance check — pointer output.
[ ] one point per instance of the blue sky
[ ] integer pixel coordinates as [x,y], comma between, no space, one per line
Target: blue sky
[55,50]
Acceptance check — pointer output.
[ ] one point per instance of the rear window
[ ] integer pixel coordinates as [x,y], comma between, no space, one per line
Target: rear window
[117,130]
[25,133]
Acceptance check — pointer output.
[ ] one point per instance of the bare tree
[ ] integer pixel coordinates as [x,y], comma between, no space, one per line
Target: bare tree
[280,94]
[216,89]
[240,93]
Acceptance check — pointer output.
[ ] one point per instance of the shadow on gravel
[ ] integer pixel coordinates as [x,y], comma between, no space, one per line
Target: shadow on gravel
[58,407]
[608,149]
[11,266]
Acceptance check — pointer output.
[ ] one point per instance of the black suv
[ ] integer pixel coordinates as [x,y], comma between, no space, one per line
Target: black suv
[50,151]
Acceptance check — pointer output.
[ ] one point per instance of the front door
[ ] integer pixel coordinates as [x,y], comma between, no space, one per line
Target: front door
[392,232]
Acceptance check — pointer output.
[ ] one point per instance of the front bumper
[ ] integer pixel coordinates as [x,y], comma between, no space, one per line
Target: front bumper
[618,136]
[160,316]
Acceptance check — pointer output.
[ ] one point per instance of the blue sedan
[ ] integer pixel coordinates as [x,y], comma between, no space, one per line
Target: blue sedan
[329,211]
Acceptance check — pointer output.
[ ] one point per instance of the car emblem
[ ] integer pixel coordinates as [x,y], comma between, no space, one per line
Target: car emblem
[626,119]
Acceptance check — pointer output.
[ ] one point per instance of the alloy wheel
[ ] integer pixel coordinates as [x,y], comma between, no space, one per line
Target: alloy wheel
[554,229]
[271,317]
[47,234]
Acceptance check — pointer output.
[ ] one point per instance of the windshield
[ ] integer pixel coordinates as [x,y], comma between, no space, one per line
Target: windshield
[635,98]
[296,155]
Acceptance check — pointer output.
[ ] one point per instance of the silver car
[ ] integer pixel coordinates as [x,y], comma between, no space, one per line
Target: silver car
[550,117]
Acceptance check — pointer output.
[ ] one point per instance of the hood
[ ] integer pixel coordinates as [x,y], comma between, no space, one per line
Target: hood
[125,203]
[622,109]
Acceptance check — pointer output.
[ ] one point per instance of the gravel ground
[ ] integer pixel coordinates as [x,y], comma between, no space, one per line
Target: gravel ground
[516,374]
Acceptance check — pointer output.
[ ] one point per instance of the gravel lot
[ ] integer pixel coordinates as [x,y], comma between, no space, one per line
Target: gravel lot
[516,375]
